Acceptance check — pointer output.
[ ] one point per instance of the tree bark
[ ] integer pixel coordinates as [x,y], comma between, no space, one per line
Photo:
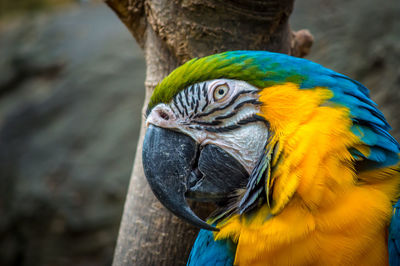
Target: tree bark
[170,33]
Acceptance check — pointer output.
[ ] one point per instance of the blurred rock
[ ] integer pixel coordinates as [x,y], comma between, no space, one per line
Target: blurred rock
[71,89]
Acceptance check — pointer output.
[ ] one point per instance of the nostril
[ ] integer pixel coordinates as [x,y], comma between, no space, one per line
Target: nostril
[163,115]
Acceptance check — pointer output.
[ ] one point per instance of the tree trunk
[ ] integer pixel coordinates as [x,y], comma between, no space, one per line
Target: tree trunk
[170,33]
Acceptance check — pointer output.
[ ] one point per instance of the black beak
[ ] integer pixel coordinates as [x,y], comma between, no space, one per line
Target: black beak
[176,168]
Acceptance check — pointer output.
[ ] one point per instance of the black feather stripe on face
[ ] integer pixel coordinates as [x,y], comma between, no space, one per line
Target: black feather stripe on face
[238,124]
[187,102]
[221,108]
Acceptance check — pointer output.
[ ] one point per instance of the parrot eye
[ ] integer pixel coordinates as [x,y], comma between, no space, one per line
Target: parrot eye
[220,91]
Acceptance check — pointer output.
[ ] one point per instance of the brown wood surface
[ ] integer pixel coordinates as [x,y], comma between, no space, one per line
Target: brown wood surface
[170,33]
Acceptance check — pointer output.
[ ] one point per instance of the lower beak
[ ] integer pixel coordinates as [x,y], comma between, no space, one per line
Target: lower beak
[175,167]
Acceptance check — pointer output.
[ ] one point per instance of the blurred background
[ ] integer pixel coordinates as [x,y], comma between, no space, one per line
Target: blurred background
[71,89]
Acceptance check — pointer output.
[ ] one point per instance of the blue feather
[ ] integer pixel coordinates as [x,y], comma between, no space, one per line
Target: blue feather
[206,251]
[394,236]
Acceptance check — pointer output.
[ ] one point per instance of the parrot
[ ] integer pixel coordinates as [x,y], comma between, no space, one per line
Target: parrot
[296,157]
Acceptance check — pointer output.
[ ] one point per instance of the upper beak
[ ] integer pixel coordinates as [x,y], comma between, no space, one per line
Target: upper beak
[176,168]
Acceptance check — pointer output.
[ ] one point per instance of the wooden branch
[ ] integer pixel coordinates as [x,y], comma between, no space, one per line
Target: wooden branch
[170,33]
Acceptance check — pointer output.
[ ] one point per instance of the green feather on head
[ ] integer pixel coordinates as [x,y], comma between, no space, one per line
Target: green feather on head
[229,65]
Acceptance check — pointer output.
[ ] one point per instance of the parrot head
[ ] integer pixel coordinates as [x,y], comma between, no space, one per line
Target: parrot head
[230,128]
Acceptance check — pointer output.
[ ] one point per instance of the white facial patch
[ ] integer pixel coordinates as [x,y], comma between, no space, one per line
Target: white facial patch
[223,112]
[245,144]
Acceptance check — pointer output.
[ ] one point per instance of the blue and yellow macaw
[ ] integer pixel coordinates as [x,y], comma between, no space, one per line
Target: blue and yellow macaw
[296,156]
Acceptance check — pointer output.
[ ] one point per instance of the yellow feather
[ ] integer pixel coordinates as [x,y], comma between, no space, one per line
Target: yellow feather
[321,212]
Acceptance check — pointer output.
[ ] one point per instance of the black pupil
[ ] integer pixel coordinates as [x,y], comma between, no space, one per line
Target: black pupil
[221,91]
